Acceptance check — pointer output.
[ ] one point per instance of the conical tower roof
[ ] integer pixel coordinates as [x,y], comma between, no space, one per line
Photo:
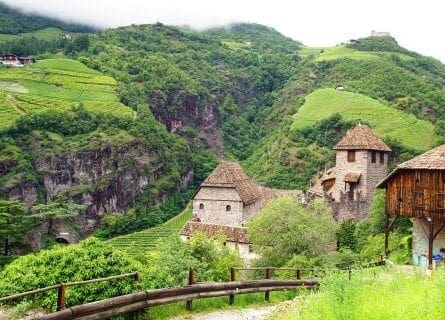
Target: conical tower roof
[361,138]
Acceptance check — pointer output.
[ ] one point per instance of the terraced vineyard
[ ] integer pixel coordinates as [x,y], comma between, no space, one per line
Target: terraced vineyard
[386,121]
[140,242]
[56,85]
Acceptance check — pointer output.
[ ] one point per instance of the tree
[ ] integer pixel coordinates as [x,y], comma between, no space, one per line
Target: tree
[56,210]
[285,228]
[14,224]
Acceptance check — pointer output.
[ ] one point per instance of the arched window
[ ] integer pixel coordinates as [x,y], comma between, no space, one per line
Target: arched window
[201,206]
[228,208]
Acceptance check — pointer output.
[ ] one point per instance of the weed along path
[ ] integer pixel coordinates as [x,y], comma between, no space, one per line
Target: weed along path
[253,313]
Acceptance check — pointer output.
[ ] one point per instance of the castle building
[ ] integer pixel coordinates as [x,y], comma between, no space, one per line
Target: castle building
[225,201]
[361,162]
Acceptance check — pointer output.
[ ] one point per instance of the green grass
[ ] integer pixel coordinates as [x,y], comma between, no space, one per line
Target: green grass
[387,294]
[306,51]
[235,45]
[140,242]
[221,303]
[56,85]
[341,51]
[386,121]
[47,34]
[64,64]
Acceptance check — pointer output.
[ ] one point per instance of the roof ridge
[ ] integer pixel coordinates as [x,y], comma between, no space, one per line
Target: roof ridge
[361,137]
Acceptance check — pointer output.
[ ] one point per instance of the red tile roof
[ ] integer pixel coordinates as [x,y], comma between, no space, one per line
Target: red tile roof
[233,234]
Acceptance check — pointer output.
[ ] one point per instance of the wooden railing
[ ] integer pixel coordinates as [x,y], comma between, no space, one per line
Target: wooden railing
[61,288]
[138,301]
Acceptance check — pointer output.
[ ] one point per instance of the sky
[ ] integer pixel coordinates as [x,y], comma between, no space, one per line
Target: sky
[416,25]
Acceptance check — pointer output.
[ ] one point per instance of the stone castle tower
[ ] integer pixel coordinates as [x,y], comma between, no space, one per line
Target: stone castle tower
[361,162]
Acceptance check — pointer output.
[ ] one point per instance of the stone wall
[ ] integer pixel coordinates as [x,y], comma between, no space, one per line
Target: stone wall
[215,201]
[420,242]
[357,206]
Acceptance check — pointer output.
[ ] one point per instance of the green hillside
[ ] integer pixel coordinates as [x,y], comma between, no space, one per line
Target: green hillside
[13,21]
[386,121]
[398,92]
[138,243]
[46,34]
[56,85]
[342,51]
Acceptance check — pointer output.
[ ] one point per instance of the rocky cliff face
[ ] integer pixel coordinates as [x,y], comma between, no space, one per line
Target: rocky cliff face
[180,111]
[107,179]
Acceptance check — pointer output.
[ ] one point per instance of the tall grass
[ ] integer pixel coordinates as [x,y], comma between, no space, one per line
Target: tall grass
[384,295]
[212,304]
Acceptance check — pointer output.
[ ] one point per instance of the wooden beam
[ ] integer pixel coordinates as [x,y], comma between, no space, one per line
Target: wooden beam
[438,230]
[430,244]
[388,228]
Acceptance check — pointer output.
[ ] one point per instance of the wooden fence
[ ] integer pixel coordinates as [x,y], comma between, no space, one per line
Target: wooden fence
[138,301]
[61,288]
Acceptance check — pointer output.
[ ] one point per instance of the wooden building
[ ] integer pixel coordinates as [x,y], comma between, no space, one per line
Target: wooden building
[416,189]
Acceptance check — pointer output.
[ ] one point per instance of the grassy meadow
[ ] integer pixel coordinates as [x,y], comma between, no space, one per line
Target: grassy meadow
[382,294]
[386,121]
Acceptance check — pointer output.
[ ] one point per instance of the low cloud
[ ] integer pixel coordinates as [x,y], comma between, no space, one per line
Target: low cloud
[416,25]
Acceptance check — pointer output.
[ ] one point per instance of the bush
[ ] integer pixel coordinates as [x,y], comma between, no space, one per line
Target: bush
[169,264]
[89,260]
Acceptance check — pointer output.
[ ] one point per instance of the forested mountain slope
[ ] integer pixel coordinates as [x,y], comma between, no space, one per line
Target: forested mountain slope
[399,93]
[148,106]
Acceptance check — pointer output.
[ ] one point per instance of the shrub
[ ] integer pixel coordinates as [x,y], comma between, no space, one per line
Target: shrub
[89,260]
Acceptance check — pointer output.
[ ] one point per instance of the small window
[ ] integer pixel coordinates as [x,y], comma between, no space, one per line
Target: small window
[382,157]
[228,208]
[373,156]
[201,206]
[351,155]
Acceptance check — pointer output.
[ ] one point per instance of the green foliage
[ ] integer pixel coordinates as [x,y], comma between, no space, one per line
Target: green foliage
[285,228]
[56,210]
[13,21]
[211,260]
[346,238]
[14,225]
[89,260]
[372,295]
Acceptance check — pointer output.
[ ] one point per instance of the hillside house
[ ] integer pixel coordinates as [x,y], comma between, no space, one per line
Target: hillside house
[15,61]
[380,34]
[361,162]
[416,189]
[226,200]
[353,41]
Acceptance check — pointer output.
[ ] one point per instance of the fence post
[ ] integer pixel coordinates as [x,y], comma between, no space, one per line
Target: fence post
[189,303]
[232,278]
[349,273]
[298,274]
[266,294]
[61,297]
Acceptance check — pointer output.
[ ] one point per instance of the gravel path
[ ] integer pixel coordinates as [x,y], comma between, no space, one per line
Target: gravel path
[258,313]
